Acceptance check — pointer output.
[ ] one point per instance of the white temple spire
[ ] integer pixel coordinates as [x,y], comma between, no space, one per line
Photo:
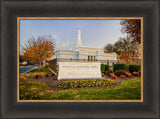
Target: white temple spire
[79,41]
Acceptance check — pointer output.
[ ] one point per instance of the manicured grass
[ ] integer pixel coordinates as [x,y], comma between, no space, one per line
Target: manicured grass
[43,69]
[34,90]
[33,70]
[127,90]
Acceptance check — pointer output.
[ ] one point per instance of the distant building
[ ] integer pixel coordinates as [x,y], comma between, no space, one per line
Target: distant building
[81,53]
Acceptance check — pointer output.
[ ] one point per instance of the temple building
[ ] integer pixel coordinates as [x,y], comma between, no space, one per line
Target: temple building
[85,54]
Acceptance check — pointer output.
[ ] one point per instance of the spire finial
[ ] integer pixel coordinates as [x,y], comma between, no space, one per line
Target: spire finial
[79,26]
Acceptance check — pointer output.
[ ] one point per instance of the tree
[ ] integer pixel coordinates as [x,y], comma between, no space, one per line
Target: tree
[132,27]
[125,57]
[127,49]
[108,48]
[38,50]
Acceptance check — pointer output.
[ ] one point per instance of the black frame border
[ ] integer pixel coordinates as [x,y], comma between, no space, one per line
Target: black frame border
[11,9]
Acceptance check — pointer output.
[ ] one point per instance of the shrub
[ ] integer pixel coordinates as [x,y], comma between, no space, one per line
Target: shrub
[113,76]
[119,66]
[37,76]
[86,83]
[122,76]
[46,65]
[134,68]
[139,73]
[120,72]
[128,74]
[47,75]
[108,72]
[104,67]
[102,74]
[136,74]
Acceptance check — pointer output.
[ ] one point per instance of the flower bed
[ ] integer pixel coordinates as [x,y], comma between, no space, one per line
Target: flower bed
[86,83]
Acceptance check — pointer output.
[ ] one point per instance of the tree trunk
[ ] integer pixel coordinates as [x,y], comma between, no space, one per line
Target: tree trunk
[39,66]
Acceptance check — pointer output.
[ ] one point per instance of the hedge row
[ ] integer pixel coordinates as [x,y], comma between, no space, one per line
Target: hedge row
[132,67]
[119,66]
[104,67]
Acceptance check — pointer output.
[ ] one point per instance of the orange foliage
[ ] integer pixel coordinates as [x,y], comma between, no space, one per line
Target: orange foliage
[122,76]
[126,57]
[36,51]
[113,76]
[128,74]
[102,74]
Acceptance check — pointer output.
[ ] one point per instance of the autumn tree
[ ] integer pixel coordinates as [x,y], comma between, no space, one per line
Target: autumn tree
[108,48]
[39,49]
[126,50]
[132,27]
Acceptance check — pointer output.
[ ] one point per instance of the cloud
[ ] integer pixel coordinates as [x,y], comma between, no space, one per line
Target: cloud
[64,45]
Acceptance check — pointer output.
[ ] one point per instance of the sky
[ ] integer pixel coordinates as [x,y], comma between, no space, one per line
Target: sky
[94,33]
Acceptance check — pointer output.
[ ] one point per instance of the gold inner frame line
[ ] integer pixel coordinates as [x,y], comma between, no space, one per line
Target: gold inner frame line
[76,18]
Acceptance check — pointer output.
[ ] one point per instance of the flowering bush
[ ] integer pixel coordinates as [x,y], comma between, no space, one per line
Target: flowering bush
[122,76]
[102,74]
[120,72]
[108,72]
[113,76]
[128,74]
[136,74]
[86,83]
[139,73]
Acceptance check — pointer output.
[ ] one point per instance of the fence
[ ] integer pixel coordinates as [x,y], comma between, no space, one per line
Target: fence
[101,61]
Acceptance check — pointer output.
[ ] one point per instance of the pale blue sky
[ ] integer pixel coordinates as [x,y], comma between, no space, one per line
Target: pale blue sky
[94,33]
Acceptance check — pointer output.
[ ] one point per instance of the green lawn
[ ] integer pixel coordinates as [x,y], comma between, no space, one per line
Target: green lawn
[127,90]
[43,69]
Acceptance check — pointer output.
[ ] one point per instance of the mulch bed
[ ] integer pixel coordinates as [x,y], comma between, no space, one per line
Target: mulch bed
[52,82]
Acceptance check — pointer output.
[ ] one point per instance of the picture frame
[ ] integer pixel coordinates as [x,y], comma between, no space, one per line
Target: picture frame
[77,18]
[10,108]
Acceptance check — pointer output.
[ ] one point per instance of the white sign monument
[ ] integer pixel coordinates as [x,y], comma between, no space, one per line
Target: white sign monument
[79,70]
